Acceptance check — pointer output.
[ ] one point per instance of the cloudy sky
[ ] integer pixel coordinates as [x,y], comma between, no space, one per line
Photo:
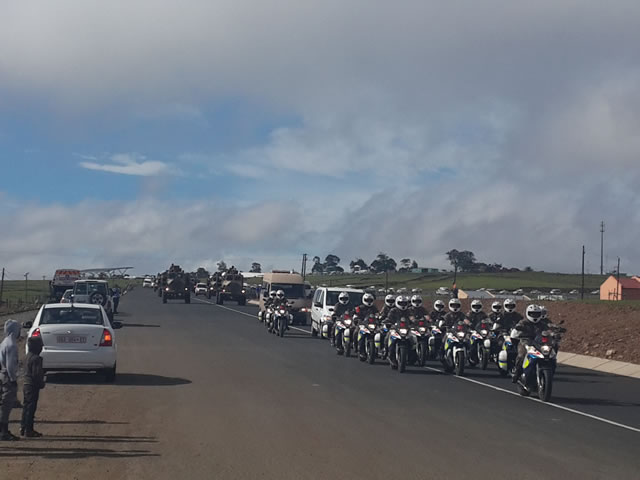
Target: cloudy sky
[145,132]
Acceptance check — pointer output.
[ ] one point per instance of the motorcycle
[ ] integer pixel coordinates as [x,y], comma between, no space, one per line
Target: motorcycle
[366,339]
[480,346]
[281,319]
[422,334]
[268,320]
[344,329]
[400,341]
[455,349]
[379,339]
[328,328]
[537,368]
[435,341]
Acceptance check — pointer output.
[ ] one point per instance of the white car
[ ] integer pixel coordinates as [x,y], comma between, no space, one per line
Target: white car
[323,304]
[201,289]
[555,291]
[76,337]
[147,283]
[443,291]
[66,296]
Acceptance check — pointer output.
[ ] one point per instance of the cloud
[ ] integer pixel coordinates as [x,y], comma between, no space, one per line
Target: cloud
[129,164]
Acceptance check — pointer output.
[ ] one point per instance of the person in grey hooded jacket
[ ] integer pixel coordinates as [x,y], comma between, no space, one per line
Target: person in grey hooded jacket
[8,376]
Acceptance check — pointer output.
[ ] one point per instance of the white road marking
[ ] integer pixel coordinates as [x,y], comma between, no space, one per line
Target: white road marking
[477,382]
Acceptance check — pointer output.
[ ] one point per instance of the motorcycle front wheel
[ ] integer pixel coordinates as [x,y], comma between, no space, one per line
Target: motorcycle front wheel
[459,364]
[422,354]
[484,358]
[371,352]
[402,359]
[545,385]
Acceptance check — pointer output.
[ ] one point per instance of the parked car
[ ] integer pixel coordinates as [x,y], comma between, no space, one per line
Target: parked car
[78,337]
[442,291]
[574,292]
[201,289]
[95,292]
[147,283]
[324,302]
[518,292]
[66,296]
[555,291]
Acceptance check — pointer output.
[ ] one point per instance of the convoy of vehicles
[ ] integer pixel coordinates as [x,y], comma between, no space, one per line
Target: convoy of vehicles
[173,284]
[227,286]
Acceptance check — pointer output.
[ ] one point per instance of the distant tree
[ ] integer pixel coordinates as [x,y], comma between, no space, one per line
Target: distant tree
[414,264]
[331,263]
[528,269]
[202,273]
[316,259]
[256,268]
[222,267]
[383,263]
[317,268]
[358,263]
[464,260]
[405,264]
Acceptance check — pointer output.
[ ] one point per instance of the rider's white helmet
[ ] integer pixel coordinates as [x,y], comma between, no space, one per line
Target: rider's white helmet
[272,294]
[402,302]
[280,294]
[496,307]
[534,313]
[390,300]
[438,306]
[509,305]
[367,299]
[455,305]
[476,306]
[343,298]
[416,301]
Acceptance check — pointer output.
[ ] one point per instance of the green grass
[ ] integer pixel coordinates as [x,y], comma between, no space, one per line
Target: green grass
[499,281]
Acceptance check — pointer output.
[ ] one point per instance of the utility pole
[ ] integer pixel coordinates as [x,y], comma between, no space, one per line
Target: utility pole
[455,273]
[26,284]
[1,286]
[602,248]
[386,282]
[582,289]
[618,283]
[304,266]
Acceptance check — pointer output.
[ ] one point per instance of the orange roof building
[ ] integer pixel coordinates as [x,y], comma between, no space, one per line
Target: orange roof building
[624,289]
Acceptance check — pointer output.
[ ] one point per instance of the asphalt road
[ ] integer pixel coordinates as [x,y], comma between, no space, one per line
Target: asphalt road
[205,392]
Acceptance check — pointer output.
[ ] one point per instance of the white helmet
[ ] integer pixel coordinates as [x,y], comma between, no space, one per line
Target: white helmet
[438,306]
[343,298]
[272,294]
[416,301]
[534,313]
[476,306]
[367,299]
[402,302]
[390,300]
[280,294]
[509,305]
[455,305]
[496,307]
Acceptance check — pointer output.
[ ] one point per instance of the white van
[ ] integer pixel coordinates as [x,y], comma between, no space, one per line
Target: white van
[294,290]
[324,302]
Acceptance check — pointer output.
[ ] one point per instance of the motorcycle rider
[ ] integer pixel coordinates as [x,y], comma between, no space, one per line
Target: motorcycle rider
[268,303]
[389,303]
[437,313]
[396,314]
[362,312]
[281,299]
[417,310]
[477,315]
[510,318]
[496,313]
[339,310]
[454,315]
[529,328]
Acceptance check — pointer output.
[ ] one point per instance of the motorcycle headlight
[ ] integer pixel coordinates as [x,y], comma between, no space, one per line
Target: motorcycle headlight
[403,331]
[545,349]
[372,326]
[347,322]
[460,334]
[483,333]
[422,330]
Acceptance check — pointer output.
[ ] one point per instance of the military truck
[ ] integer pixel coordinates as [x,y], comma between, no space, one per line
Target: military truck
[175,284]
[228,285]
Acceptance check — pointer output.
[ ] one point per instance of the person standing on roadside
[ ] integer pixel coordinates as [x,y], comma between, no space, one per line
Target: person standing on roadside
[116,299]
[9,376]
[33,383]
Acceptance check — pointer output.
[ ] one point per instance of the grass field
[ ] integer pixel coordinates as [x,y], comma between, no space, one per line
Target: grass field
[469,281]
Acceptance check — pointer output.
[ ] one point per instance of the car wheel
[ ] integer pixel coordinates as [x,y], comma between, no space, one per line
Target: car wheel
[110,374]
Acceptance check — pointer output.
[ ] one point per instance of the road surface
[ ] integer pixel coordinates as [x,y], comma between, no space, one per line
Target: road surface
[204,392]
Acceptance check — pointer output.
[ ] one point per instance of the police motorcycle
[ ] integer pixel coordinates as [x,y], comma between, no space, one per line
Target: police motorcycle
[400,342]
[507,355]
[437,331]
[262,314]
[455,348]
[367,332]
[282,317]
[422,332]
[538,366]
[344,332]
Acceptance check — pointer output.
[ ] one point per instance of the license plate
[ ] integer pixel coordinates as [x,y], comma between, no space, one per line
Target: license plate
[71,339]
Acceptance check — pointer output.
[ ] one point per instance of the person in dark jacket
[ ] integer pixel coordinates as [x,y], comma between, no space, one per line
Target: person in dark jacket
[395,317]
[454,315]
[116,299]
[477,315]
[510,318]
[529,328]
[33,383]
[362,313]
[437,313]
[389,303]
[417,310]
[8,376]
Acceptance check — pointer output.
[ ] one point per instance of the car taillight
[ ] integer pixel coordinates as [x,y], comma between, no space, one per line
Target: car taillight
[107,339]
[36,333]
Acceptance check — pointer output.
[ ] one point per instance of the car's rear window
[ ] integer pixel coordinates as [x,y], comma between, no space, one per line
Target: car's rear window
[202,285]
[71,316]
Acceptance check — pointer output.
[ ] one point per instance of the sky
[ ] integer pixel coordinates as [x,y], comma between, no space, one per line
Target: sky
[140,133]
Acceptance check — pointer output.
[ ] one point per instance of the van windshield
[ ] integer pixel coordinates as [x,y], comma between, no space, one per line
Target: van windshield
[354,298]
[290,291]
